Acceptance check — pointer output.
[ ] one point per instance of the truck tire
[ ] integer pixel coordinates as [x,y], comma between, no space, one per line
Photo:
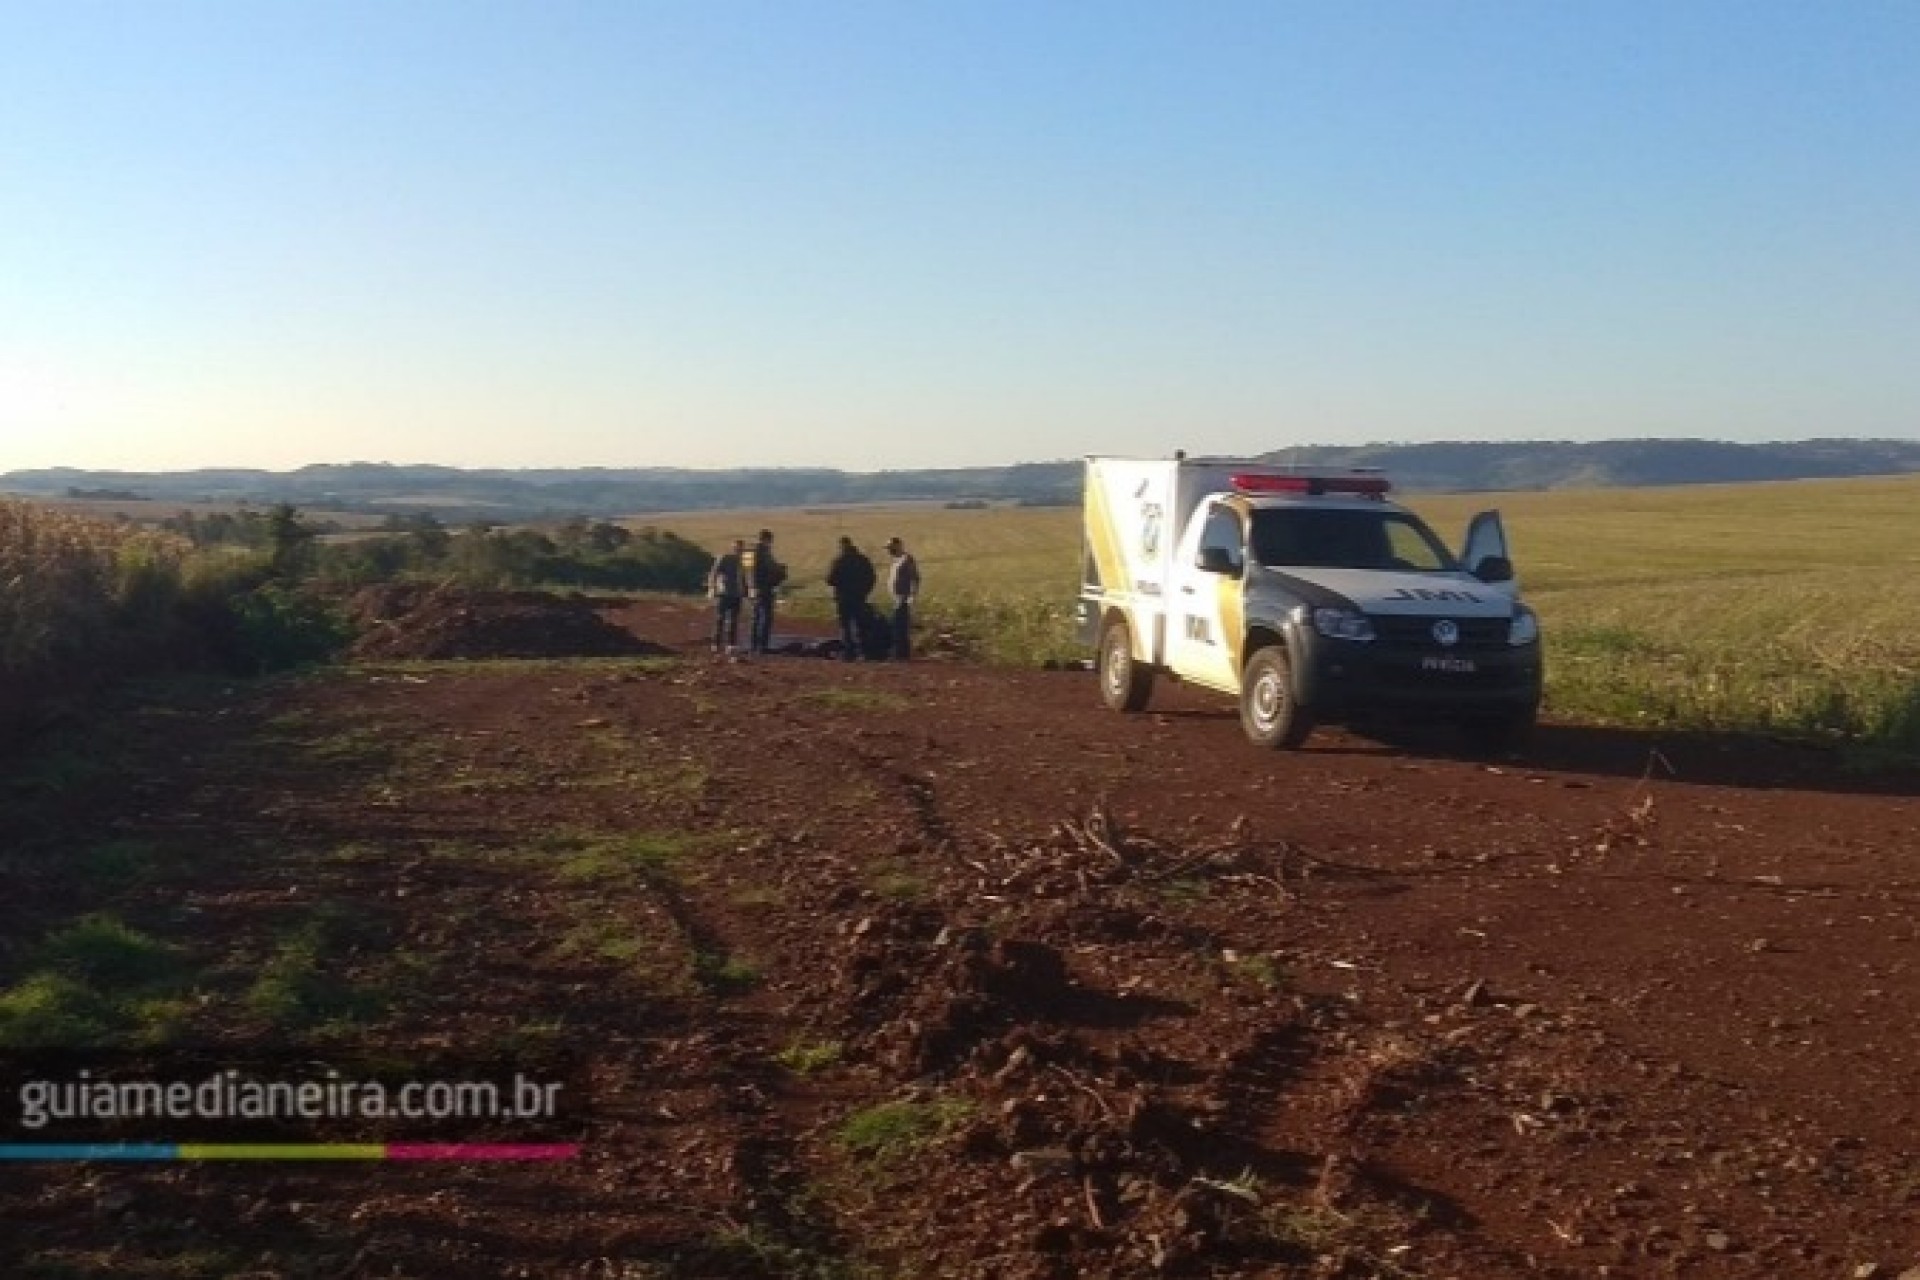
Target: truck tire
[1125,685]
[1268,712]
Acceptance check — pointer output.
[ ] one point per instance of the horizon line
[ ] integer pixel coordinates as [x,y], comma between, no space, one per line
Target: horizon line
[985,466]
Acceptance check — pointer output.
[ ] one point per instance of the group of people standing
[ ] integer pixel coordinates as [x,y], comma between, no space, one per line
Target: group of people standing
[750,576]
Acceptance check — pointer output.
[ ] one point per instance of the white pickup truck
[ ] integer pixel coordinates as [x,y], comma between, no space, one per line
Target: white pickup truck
[1306,594]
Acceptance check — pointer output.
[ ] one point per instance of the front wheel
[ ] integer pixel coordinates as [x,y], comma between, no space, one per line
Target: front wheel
[1125,685]
[1268,711]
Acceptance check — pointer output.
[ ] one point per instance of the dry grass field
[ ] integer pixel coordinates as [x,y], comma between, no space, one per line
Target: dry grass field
[1786,607]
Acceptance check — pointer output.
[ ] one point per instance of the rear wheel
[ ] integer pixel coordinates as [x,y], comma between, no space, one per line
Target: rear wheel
[1125,685]
[1268,711]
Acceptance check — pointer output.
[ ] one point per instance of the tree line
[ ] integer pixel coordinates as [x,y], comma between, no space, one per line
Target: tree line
[577,553]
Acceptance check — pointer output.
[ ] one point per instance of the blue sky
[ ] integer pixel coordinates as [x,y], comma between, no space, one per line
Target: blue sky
[904,234]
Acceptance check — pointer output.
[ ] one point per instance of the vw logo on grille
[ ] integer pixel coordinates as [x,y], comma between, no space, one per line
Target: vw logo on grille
[1446,632]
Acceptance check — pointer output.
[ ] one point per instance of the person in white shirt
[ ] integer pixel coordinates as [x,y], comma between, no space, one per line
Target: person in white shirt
[903,584]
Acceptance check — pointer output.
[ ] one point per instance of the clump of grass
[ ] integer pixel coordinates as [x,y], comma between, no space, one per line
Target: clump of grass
[96,981]
[637,858]
[639,960]
[300,985]
[1010,630]
[103,951]
[50,1010]
[1186,889]
[856,699]
[898,883]
[1307,1228]
[722,974]
[1260,970]
[893,1130]
[602,939]
[804,1057]
[536,1034]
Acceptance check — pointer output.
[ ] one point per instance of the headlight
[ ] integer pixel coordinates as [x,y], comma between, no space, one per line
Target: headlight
[1342,624]
[1524,629]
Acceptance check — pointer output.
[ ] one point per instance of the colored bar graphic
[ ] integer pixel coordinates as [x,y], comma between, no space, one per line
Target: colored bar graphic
[288,1151]
[482,1151]
[281,1151]
[88,1151]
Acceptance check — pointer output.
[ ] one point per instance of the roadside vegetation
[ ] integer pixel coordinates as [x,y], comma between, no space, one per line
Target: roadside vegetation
[576,553]
[84,601]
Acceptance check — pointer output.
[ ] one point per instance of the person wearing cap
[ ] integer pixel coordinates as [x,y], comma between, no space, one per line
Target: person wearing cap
[851,579]
[903,584]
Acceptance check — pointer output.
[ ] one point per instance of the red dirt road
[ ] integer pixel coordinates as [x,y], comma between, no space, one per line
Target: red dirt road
[1146,1001]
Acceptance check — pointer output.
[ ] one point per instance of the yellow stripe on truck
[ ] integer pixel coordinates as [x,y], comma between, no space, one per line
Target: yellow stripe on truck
[1230,597]
[1105,540]
[1230,607]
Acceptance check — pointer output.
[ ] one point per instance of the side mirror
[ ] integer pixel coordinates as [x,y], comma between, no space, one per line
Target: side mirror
[1494,569]
[1216,560]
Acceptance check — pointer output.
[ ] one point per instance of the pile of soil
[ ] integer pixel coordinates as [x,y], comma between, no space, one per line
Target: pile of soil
[421,621]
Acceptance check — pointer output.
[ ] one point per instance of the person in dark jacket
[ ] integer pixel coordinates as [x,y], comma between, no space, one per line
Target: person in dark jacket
[903,584]
[726,583]
[762,575]
[851,579]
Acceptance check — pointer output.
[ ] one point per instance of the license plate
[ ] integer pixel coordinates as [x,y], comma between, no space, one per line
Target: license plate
[1461,666]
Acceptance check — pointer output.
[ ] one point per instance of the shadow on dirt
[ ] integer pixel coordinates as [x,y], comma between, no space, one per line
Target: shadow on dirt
[1723,759]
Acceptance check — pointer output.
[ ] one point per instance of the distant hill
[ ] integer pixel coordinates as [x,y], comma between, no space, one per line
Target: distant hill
[457,494]
[1480,466]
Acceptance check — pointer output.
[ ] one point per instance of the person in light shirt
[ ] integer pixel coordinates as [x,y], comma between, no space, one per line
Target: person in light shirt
[726,583]
[903,584]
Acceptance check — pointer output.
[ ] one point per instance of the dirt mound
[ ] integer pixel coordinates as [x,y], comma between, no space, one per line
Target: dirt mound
[418,621]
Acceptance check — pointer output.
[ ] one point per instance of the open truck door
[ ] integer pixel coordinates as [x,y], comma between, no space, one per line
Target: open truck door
[1484,553]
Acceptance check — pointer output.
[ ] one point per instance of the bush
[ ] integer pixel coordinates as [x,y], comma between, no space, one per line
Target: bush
[582,556]
[239,618]
[68,585]
[277,627]
[80,601]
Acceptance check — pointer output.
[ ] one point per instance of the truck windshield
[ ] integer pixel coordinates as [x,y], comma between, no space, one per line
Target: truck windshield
[1347,538]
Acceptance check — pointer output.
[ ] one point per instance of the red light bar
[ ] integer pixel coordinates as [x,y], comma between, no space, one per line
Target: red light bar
[1268,482]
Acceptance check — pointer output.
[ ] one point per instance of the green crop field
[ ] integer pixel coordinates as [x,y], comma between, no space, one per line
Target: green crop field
[1790,608]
